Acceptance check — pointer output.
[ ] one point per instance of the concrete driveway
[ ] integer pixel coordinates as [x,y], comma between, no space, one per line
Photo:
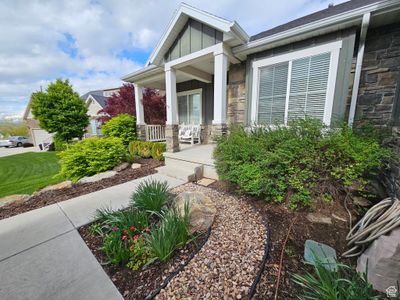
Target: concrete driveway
[11,151]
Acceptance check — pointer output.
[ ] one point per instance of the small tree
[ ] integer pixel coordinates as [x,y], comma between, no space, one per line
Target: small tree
[122,126]
[59,110]
[124,103]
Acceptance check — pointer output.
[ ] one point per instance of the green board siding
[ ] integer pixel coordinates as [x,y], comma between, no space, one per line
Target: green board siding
[193,37]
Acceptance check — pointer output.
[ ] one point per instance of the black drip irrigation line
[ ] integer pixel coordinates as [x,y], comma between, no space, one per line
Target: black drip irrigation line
[264,261]
[152,295]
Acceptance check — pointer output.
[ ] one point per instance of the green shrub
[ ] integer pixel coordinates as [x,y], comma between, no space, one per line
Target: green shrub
[157,151]
[147,149]
[300,163]
[133,148]
[151,196]
[91,156]
[343,283]
[59,144]
[122,126]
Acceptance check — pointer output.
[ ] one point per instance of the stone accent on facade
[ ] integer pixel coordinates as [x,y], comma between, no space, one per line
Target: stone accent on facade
[379,77]
[217,131]
[141,132]
[205,133]
[236,94]
[171,135]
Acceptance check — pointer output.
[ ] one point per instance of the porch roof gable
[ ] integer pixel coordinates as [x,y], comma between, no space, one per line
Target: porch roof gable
[234,35]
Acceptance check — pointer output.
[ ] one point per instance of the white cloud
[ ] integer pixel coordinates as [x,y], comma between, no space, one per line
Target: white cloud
[32,33]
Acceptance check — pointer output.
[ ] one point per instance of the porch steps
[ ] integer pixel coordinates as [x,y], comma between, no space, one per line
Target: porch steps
[182,170]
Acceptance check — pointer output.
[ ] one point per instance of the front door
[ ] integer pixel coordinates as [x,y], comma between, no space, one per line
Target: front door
[189,107]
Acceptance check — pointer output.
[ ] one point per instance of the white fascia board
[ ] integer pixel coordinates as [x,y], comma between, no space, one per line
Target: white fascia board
[144,72]
[354,15]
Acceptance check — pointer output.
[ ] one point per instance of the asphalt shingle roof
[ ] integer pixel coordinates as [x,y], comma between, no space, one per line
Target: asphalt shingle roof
[319,15]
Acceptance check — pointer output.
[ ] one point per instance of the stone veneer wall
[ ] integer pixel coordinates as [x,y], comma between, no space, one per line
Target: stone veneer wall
[236,94]
[379,87]
[380,76]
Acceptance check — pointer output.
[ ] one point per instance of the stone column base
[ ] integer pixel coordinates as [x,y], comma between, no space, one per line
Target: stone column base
[171,136]
[141,132]
[218,130]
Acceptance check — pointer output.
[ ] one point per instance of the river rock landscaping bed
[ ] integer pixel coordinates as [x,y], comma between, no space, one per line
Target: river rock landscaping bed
[53,196]
[279,219]
[227,265]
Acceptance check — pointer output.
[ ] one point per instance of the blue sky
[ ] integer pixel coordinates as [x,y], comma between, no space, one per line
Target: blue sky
[94,43]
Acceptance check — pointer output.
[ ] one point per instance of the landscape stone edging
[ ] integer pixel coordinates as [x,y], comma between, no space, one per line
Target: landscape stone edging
[152,295]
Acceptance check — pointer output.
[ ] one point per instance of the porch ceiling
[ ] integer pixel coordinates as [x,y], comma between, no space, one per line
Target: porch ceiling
[201,70]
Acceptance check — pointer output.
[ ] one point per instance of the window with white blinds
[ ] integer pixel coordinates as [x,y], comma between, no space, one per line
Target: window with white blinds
[295,85]
[308,86]
[272,94]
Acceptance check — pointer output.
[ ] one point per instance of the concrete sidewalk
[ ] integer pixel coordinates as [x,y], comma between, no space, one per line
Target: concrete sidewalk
[42,256]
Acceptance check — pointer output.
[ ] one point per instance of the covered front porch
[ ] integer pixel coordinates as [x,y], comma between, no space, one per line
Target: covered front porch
[195,86]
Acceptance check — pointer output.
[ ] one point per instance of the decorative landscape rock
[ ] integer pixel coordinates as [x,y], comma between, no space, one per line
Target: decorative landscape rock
[318,218]
[13,198]
[227,264]
[58,186]
[201,210]
[382,261]
[121,167]
[97,177]
[136,166]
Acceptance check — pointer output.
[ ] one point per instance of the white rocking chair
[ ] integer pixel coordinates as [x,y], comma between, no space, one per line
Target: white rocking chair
[190,134]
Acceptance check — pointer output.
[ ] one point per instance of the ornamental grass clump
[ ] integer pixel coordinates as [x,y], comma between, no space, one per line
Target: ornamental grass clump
[299,164]
[344,283]
[151,196]
[172,233]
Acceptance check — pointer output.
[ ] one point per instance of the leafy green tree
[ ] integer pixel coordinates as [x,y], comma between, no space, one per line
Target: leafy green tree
[59,110]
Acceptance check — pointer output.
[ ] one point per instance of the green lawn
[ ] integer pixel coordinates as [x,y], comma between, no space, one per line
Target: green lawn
[27,172]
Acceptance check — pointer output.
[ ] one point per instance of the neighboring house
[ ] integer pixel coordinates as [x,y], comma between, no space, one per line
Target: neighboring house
[96,101]
[40,137]
[340,64]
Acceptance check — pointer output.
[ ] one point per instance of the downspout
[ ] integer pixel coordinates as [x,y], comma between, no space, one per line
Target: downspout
[357,75]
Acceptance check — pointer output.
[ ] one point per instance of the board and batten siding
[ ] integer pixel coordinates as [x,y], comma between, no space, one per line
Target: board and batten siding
[193,37]
[343,72]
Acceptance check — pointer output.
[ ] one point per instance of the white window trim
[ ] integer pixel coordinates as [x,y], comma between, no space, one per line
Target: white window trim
[192,92]
[333,48]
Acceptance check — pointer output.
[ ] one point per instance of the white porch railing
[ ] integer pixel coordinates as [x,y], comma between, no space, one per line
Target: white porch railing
[155,133]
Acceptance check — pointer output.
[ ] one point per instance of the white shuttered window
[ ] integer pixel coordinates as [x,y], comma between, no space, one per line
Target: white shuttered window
[295,85]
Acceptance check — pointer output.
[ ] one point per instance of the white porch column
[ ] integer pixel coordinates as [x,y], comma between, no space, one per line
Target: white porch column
[139,105]
[171,128]
[172,101]
[220,99]
[220,77]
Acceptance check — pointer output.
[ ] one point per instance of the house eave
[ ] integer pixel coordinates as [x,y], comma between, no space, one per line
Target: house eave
[142,73]
[337,22]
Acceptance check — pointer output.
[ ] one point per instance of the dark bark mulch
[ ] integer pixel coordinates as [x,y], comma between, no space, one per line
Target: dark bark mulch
[51,197]
[144,281]
[279,219]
